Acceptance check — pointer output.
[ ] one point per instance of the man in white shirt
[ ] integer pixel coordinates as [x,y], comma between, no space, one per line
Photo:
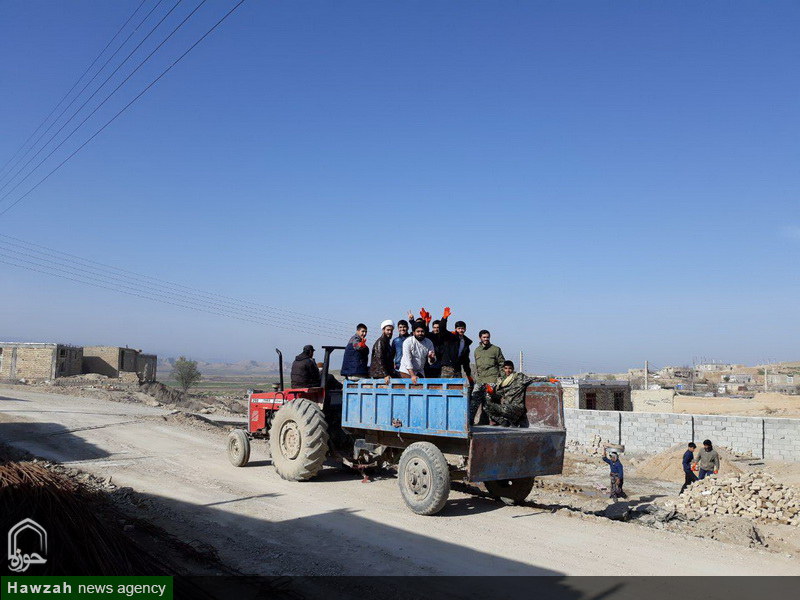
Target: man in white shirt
[417,352]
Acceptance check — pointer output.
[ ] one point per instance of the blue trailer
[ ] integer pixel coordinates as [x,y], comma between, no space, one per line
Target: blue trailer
[422,424]
[424,428]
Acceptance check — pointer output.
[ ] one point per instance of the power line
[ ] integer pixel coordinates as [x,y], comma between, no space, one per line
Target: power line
[144,294]
[74,85]
[151,84]
[165,292]
[60,255]
[78,95]
[96,108]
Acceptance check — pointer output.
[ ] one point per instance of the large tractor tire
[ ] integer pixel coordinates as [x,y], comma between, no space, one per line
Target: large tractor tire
[298,440]
[424,478]
[510,491]
[238,448]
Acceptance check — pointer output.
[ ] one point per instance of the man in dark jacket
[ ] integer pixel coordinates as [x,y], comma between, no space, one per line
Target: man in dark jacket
[382,365]
[305,373]
[435,336]
[688,474]
[356,355]
[455,349]
[397,343]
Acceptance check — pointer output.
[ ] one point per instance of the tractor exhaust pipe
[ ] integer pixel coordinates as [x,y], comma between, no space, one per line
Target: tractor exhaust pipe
[280,366]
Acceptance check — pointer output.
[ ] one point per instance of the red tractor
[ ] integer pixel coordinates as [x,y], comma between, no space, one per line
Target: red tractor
[302,425]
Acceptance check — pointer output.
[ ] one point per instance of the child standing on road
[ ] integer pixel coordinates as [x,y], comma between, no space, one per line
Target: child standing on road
[617,473]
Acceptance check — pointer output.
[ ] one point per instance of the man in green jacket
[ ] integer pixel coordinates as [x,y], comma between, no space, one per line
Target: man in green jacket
[489,360]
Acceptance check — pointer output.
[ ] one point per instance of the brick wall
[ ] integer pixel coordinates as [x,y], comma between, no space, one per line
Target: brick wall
[653,432]
[69,361]
[35,363]
[101,359]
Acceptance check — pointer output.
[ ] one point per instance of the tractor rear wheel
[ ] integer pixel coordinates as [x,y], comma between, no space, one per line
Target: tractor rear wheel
[238,448]
[298,440]
[510,491]
[424,478]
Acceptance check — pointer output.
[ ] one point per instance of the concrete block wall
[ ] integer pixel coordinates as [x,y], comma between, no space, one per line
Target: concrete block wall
[782,439]
[583,425]
[741,434]
[653,432]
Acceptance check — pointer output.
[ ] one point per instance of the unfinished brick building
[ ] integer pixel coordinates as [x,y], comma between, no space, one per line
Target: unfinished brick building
[35,361]
[113,360]
[597,394]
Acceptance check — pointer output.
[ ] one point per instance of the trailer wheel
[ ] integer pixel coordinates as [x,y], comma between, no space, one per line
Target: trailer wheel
[238,448]
[424,478]
[510,491]
[298,440]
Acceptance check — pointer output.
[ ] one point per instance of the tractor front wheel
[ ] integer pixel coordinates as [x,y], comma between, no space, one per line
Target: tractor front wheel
[298,440]
[424,478]
[510,491]
[238,448]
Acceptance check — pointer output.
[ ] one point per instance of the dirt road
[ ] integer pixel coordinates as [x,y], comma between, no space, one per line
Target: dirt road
[260,524]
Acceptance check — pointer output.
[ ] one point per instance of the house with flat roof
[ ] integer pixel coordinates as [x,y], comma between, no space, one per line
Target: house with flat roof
[39,361]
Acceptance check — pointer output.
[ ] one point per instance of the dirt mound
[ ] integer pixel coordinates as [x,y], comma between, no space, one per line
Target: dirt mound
[668,466]
[73,515]
[184,418]
[172,397]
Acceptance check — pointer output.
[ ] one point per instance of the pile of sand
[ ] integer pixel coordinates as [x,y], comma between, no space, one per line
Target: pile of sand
[668,464]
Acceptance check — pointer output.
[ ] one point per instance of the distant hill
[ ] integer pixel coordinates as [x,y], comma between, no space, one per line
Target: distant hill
[221,369]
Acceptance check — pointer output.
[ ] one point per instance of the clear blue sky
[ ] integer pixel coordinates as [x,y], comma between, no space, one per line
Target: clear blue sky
[598,183]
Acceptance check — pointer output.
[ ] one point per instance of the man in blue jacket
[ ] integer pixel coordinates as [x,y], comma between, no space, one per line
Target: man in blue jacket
[688,474]
[356,355]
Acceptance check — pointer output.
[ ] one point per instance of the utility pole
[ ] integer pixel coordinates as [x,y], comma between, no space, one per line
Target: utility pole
[646,373]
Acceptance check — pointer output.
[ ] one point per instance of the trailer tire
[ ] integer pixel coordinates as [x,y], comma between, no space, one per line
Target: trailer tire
[510,491]
[424,478]
[298,440]
[238,448]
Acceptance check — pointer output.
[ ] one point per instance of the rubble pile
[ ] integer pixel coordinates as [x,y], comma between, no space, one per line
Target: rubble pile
[751,495]
[556,486]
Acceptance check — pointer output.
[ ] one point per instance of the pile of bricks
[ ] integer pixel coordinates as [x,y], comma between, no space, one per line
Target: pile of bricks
[751,495]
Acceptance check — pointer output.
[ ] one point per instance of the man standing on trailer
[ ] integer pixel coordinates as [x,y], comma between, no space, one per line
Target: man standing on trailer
[455,349]
[397,343]
[382,365]
[356,355]
[418,352]
[489,360]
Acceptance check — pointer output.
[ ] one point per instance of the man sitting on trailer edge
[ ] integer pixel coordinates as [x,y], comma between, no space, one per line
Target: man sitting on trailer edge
[504,402]
[417,353]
